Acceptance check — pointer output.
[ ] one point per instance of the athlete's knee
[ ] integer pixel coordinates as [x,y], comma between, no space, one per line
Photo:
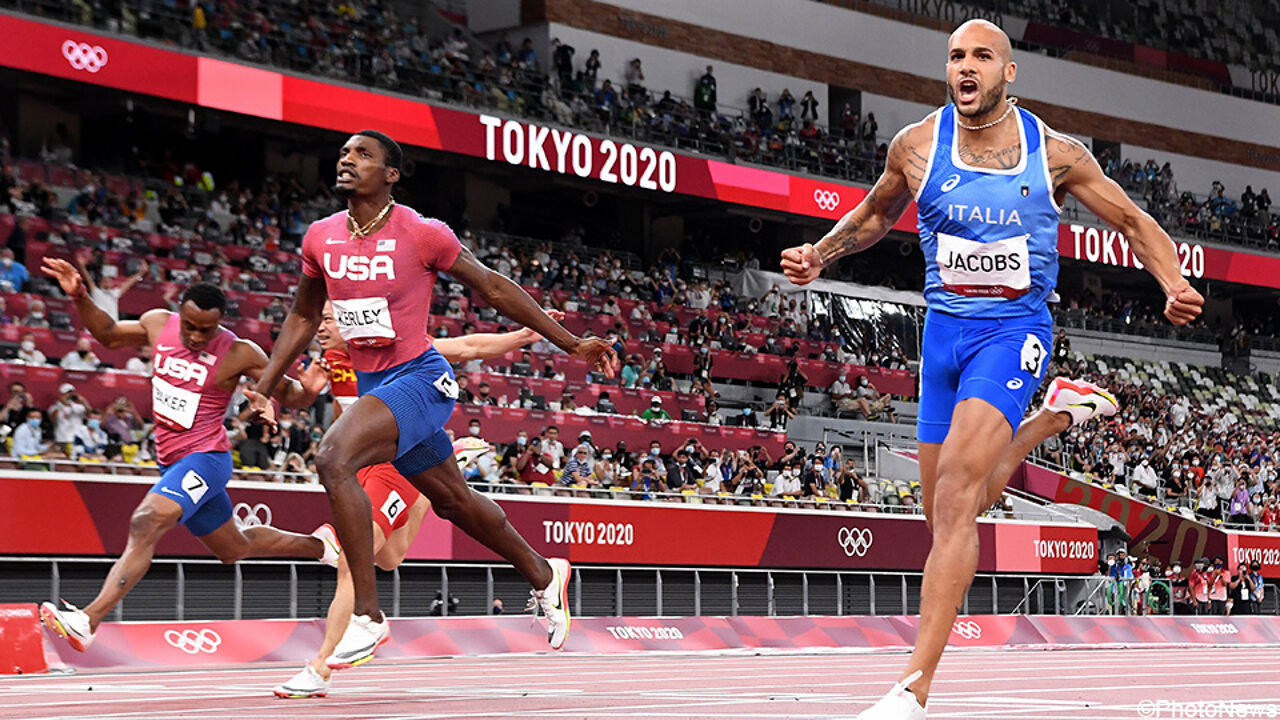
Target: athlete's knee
[148,524]
[334,463]
[956,500]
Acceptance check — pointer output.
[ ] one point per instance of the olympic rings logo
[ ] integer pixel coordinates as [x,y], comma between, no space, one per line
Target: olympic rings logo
[194,642]
[855,541]
[967,629]
[247,515]
[826,199]
[84,56]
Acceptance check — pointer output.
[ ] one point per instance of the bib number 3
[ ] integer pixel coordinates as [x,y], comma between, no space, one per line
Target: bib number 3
[1033,355]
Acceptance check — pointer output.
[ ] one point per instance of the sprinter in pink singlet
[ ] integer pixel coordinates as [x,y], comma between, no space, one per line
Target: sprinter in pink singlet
[198,364]
[377,262]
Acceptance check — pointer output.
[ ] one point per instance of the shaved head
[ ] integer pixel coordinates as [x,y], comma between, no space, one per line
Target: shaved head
[983,33]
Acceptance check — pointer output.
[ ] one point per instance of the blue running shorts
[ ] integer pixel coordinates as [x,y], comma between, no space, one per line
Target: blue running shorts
[1000,360]
[421,393]
[198,482]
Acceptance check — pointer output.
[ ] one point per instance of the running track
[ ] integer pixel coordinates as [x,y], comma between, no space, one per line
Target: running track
[1039,684]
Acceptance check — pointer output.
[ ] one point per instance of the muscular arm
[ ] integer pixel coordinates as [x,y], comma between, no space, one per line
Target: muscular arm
[249,360]
[1074,170]
[510,299]
[106,330]
[872,219]
[296,333]
[483,346]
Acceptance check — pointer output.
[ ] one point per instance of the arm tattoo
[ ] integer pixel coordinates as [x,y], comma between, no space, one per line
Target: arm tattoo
[1066,155]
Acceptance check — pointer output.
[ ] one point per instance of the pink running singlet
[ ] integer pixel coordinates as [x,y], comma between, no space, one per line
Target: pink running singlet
[380,285]
[185,399]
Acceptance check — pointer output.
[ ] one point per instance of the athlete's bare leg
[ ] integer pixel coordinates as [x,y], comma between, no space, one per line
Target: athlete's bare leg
[344,599]
[154,516]
[364,434]
[394,550]
[481,518]
[1033,431]
[231,543]
[979,435]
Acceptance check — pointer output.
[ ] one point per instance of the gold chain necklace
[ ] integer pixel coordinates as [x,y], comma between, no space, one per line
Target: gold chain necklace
[1011,102]
[359,231]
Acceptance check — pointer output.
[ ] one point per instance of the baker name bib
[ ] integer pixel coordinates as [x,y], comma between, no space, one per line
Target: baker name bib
[174,407]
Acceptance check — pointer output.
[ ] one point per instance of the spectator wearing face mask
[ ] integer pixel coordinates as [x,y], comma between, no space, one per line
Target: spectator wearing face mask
[1180,594]
[606,471]
[81,358]
[655,411]
[1198,584]
[29,439]
[1240,592]
[36,317]
[13,274]
[787,483]
[27,352]
[90,441]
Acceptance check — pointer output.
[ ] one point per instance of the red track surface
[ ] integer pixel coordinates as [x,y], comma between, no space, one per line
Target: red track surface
[1045,685]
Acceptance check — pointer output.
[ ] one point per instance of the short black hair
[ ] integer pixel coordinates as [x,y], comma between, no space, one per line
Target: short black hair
[206,296]
[390,148]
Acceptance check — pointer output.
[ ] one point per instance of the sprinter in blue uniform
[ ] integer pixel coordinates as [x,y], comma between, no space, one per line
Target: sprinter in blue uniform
[989,180]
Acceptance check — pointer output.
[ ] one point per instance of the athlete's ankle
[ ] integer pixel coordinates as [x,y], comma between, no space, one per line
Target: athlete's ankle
[320,667]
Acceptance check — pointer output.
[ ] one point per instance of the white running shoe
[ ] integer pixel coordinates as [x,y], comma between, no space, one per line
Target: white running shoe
[899,704]
[71,623]
[553,601]
[358,644]
[1082,400]
[306,684]
[332,548]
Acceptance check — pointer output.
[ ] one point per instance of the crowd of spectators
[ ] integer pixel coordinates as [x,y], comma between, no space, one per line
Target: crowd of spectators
[1232,33]
[1169,449]
[1247,219]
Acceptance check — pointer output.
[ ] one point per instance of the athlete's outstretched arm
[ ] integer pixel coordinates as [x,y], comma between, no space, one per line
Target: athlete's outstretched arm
[249,360]
[1074,170]
[106,330]
[511,300]
[867,223]
[482,346]
[296,333]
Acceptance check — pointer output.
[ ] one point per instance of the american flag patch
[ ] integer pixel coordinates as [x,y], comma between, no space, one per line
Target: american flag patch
[386,245]
[208,358]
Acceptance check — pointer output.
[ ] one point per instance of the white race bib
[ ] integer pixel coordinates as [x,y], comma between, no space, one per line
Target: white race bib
[995,269]
[364,322]
[174,407]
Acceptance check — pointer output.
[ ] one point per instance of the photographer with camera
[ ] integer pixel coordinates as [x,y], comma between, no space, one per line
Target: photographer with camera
[68,415]
[535,465]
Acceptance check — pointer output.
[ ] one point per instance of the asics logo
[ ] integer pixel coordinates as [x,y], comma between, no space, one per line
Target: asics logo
[256,515]
[949,183]
[826,199]
[194,642]
[1014,384]
[855,541]
[84,56]
[967,629]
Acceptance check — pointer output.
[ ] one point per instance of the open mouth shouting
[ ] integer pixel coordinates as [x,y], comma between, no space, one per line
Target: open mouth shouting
[967,91]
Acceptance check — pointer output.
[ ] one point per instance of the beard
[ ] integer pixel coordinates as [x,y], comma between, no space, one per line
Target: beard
[989,101]
[346,192]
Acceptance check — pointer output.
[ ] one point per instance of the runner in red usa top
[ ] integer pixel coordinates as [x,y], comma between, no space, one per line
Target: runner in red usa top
[198,364]
[377,262]
[989,180]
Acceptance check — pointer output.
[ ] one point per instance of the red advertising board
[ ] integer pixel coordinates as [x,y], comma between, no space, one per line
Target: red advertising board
[92,518]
